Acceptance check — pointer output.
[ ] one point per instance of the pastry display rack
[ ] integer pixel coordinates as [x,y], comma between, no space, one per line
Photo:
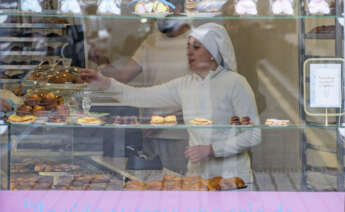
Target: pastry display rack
[93,161]
[328,33]
[25,44]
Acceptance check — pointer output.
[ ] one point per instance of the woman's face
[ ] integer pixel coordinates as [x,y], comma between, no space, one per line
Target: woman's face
[199,59]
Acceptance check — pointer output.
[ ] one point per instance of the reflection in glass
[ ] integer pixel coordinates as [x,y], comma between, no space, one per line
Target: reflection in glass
[31,6]
[109,7]
[246,7]
[280,7]
[318,7]
[70,6]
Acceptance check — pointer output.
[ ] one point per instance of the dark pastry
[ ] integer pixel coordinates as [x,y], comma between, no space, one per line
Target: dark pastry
[24,110]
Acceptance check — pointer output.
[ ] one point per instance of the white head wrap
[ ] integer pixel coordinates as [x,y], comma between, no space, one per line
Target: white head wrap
[217,41]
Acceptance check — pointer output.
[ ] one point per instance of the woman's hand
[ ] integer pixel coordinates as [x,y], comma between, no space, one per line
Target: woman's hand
[95,78]
[5,106]
[198,153]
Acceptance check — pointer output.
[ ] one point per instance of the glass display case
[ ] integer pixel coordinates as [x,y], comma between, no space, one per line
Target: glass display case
[276,111]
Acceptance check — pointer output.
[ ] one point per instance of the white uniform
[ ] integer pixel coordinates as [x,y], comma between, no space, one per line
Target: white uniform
[217,97]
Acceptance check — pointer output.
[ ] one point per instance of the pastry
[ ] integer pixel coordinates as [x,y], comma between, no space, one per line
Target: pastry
[214,183]
[232,183]
[200,121]
[157,120]
[155,185]
[134,185]
[170,120]
[24,110]
[89,120]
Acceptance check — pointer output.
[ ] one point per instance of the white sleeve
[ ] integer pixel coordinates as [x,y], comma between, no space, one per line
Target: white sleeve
[160,96]
[243,102]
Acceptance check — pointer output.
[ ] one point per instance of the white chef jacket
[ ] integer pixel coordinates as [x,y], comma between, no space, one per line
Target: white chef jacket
[217,97]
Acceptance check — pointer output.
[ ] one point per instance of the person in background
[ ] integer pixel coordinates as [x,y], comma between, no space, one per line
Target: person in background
[214,91]
[159,59]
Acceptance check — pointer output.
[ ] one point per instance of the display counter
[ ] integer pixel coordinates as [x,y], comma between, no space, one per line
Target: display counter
[267,115]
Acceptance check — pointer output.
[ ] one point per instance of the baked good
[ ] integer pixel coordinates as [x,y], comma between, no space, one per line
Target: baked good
[214,183]
[154,185]
[171,182]
[170,120]
[39,111]
[232,183]
[157,120]
[24,110]
[89,120]
[135,185]
[200,121]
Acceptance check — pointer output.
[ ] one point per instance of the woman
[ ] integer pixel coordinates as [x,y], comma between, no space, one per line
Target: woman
[213,91]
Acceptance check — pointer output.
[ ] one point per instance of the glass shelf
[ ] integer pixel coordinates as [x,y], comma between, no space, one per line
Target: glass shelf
[148,126]
[194,17]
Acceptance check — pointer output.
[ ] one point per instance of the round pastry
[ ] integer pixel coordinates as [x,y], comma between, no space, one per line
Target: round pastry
[245,119]
[24,110]
[170,120]
[39,111]
[32,100]
[157,120]
[49,99]
[235,118]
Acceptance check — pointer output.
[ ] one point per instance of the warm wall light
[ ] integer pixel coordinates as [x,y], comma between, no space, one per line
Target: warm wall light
[109,7]
[31,6]
[70,6]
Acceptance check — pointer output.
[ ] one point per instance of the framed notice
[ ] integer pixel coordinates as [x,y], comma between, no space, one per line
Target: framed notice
[325,85]
[323,80]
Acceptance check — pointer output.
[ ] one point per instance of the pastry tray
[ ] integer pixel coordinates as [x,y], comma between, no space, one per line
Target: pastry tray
[56,86]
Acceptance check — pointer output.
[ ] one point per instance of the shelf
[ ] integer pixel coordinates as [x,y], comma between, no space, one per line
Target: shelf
[321,148]
[180,126]
[324,170]
[2,67]
[38,26]
[325,36]
[36,39]
[53,14]
[23,53]
[10,80]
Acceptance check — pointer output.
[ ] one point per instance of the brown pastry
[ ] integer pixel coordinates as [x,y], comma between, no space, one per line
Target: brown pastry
[154,185]
[24,110]
[235,118]
[49,99]
[232,183]
[32,100]
[171,182]
[135,185]
[214,183]
[39,111]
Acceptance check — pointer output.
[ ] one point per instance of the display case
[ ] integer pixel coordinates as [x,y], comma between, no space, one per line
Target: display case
[65,133]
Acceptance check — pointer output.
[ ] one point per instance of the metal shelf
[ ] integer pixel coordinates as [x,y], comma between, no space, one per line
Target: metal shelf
[325,170]
[38,25]
[36,39]
[321,148]
[23,53]
[2,67]
[325,36]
